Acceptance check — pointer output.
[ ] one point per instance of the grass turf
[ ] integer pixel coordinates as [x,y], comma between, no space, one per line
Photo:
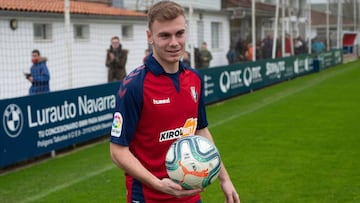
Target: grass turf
[296,141]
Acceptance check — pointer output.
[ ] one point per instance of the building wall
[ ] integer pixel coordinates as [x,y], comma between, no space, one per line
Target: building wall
[82,62]
[87,56]
[219,54]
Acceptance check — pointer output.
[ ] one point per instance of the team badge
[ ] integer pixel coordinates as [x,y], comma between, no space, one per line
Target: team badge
[194,93]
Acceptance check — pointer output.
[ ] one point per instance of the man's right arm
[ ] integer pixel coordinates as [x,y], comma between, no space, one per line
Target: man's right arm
[125,160]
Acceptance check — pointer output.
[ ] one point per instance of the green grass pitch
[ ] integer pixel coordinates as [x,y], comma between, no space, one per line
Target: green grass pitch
[297,141]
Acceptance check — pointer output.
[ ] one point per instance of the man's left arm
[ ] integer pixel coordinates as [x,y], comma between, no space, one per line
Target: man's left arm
[226,184]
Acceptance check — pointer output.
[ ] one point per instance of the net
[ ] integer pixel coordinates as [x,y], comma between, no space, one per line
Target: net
[76,59]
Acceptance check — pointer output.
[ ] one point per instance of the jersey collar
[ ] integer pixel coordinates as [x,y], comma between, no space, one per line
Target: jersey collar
[155,67]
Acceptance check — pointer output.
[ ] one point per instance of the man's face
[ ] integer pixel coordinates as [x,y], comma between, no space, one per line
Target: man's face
[115,43]
[203,45]
[168,40]
[35,57]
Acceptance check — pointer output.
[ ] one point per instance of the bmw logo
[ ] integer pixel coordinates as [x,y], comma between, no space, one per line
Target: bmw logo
[13,120]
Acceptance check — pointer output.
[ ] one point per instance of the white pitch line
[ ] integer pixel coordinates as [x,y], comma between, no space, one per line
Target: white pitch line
[68,184]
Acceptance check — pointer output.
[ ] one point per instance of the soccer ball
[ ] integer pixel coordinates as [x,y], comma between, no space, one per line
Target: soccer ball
[193,162]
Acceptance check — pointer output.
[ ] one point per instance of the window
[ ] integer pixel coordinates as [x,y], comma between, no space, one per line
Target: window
[269,1]
[127,32]
[42,31]
[200,32]
[215,35]
[81,32]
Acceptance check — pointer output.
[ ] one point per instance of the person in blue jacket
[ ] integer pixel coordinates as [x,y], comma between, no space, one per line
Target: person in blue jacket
[317,46]
[39,74]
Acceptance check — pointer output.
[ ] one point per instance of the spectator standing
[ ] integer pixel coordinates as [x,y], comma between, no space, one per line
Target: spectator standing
[206,56]
[267,47]
[232,56]
[39,75]
[317,46]
[299,46]
[146,55]
[198,61]
[288,45]
[116,58]
[250,52]
[241,48]
[186,58]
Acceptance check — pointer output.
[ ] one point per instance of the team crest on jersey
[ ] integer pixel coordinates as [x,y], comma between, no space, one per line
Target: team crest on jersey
[187,129]
[117,125]
[194,93]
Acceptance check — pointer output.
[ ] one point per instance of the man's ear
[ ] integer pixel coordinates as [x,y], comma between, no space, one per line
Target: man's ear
[149,37]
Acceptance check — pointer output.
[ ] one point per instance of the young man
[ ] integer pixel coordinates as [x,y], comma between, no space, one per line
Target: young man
[39,74]
[160,97]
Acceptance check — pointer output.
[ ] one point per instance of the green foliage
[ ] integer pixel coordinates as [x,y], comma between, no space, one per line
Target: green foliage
[297,141]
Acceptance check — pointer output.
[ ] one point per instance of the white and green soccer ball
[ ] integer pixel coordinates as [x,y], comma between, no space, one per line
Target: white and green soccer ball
[193,162]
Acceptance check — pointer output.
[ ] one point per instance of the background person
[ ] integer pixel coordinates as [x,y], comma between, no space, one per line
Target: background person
[317,46]
[39,74]
[197,55]
[250,52]
[206,56]
[232,55]
[146,55]
[288,45]
[116,58]
[186,58]
[160,96]
[267,46]
[241,48]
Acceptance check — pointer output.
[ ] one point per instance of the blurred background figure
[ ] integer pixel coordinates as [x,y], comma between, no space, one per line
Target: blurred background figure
[267,46]
[206,56]
[232,55]
[186,58]
[146,54]
[250,52]
[300,46]
[317,46]
[39,74]
[116,58]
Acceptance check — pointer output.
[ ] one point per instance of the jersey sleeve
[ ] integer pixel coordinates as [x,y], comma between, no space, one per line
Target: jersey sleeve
[202,118]
[127,111]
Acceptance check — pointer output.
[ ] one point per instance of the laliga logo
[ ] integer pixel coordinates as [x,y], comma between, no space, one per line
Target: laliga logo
[13,120]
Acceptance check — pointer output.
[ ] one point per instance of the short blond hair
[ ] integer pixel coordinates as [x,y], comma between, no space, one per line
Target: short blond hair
[164,11]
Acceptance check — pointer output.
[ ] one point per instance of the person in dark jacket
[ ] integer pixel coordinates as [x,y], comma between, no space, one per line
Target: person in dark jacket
[39,74]
[206,55]
[116,58]
[267,47]
[241,48]
[232,55]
